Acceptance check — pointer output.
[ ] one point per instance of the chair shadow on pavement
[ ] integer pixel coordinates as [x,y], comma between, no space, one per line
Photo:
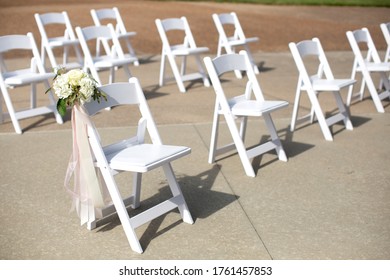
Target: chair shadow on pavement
[201,200]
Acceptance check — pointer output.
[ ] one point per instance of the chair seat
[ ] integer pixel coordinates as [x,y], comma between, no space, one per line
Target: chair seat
[256,108]
[189,51]
[17,79]
[145,157]
[62,41]
[107,62]
[126,35]
[329,85]
[234,42]
[378,67]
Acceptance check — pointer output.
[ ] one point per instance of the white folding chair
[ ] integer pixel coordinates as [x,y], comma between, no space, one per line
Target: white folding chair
[135,155]
[48,25]
[241,106]
[34,74]
[385,27]
[229,42]
[315,83]
[113,16]
[361,42]
[97,61]
[182,50]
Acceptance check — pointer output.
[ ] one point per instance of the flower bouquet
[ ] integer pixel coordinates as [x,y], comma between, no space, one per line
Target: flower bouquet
[75,86]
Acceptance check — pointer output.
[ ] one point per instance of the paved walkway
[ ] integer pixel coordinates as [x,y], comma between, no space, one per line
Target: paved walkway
[329,201]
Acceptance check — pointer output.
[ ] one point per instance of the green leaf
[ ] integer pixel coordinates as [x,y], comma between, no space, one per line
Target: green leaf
[61,107]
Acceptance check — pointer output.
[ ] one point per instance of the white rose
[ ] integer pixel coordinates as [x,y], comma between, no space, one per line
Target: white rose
[74,76]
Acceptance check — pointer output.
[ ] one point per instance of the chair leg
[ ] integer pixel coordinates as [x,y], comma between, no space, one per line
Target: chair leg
[176,191]
[206,81]
[52,101]
[240,147]
[350,90]
[51,56]
[275,138]
[33,96]
[162,70]
[320,116]
[11,110]
[1,109]
[343,110]
[214,134]
[373,92]
[121,210]
[137,178]
[255,68]
[127,71]
[296,107]
[176,74]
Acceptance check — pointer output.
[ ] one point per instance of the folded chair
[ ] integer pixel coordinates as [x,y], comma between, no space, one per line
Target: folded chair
[34,74]
[316,83]
[96,60]
[229,42]
[135,155]
[368,65]
[48,25]
[240,107]
[185,48]
[113,16]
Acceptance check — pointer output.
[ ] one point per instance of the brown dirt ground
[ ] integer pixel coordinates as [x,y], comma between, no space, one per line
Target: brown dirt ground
[276,26]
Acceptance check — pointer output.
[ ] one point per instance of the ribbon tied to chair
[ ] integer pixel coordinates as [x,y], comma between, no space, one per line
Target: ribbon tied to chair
[88,191]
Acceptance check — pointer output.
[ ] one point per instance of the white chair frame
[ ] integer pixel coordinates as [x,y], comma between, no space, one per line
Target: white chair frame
[184,50]
[241,107]
[368,65]
[322,81]
[35,74]
[113,14]
[230,43]
[385,27]
[111,61]
[136,156]
[67,41]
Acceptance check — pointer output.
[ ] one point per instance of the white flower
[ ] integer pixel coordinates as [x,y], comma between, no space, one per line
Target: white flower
[87,89]
[75,76]
[61,87]
[75,86]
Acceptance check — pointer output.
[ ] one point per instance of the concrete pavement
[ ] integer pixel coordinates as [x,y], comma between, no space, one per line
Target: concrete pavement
[329,201]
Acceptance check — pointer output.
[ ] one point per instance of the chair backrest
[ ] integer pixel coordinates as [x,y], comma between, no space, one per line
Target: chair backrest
[224,19]
[94,33]
[230,63]
[111,15]
[361,41]
[385,27]
[124,94]
[179,24]
[57,19]
[310,48]
[10,43]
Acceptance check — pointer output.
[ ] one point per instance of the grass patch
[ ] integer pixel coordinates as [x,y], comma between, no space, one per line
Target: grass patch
[365,3]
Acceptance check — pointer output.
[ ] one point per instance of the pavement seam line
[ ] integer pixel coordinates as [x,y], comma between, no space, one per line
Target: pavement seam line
[237,198]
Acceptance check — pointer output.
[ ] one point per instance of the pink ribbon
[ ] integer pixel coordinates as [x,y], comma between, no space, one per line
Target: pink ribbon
[89,191]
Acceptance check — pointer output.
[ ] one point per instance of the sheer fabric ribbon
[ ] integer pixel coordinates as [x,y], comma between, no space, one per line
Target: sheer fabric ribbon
[88,191]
